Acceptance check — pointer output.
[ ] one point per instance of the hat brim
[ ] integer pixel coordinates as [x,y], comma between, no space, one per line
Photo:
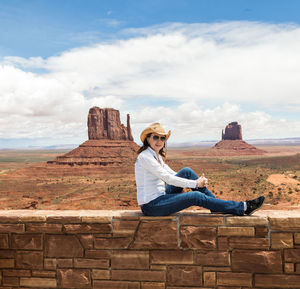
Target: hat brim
[149,130]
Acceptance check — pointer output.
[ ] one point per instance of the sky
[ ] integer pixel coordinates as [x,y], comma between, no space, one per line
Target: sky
[193,65]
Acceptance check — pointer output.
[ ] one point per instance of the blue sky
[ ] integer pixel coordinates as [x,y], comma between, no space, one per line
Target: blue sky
[193,65]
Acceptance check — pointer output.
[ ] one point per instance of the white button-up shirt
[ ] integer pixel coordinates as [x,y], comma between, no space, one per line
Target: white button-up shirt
[151,174]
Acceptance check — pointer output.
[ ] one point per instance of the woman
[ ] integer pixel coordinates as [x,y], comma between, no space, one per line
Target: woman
[159,188]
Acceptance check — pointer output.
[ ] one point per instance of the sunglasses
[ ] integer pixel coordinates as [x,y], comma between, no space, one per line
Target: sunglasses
[156,137]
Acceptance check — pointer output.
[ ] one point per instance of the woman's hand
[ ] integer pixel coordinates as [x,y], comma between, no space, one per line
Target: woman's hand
[202,181]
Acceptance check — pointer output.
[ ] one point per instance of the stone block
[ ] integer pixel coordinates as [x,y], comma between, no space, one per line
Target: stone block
[222,243]
[64,219]
[124,228]
[249,243]
[96,219]
[6,254]
[27,241]
[213,258]
[130,260]
[172,257]
[38,273]
[101,274]
[10,281]
[234,279]
[3,241]
[29,260]
[152,285]
[156,235]
[12,228]
[209,279]
[180,275]
[73,278]
[50,263]
[277,281]
[7,263]
[261,232]
[297,238]
[62,246]
[282,240]
[87,241]
[236,231]
[116,285]
[297,268]
[88,228]
[257,261]
[64,263]
[198,237]
[285,224]
[138,275]
[44,228]
[292,255]
[289,268]
[97,254]
[17,273]
[38,282]
[112,243]
[201,220]
[91,263]
[247,221]
[216,269]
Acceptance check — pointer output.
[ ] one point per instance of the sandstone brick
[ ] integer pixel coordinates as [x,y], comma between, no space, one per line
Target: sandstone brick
[156,235]
[292,255]
[138,275]
[62,246]
[282,240]
[7,263]
[236,231]
[17,273]
[73,278]
[153,285]
[6,254]
[213,258]
[277,281]
[209,279]
[286,224]
[198,237]
[172,257]
[124,228]
[49,274]
[29,260]
[158,267]
[64,219]
[10,281]
[112,243]
[32,218]
[12,228]
[87,241]
[234,279]
[3,241]
[297,268]
[179,275]
[97,254]
[38,282]
[88,228]
[222,243]
[249,243]
[116,285]
[91,263]
[297,238]
[257,261]
[201,220]
[289,268]
[64,263]
[101,274]
[247,221]
[130,260]
[261,232]
[50,263]
[27,241]
[216,269]
[44,228]
[96,219]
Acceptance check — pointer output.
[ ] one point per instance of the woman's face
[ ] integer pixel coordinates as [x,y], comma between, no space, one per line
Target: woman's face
[156,142]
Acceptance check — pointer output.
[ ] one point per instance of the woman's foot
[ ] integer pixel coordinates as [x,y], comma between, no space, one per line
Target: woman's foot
[254,205]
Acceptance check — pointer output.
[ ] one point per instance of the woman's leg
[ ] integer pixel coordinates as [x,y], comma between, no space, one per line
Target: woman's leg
[172,203]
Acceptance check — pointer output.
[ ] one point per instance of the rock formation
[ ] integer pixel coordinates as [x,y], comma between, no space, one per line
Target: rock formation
[110,142]
[232,143]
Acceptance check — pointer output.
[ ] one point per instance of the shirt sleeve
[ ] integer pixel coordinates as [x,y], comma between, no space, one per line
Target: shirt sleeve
[150,164]
[169,169]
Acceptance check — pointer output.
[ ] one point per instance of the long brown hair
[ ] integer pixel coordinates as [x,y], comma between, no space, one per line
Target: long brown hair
[162,152]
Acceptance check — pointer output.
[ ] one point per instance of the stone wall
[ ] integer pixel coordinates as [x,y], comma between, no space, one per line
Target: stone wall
[122,249]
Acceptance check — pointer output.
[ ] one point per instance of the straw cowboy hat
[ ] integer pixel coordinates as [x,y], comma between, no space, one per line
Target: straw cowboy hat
[154,128]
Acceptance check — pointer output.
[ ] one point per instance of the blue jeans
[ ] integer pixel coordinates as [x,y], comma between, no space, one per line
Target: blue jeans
[174,200]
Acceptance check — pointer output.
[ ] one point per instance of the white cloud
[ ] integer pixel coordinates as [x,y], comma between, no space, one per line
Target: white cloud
[214,73]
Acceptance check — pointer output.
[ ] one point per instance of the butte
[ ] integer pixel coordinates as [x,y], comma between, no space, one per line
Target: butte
[232,143]
[110,143]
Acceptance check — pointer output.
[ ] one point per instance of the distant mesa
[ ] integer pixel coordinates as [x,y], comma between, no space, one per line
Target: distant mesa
[110,142]
[233,144]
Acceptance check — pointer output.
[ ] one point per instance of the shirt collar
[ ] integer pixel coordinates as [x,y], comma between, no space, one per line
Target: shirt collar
[154,153]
